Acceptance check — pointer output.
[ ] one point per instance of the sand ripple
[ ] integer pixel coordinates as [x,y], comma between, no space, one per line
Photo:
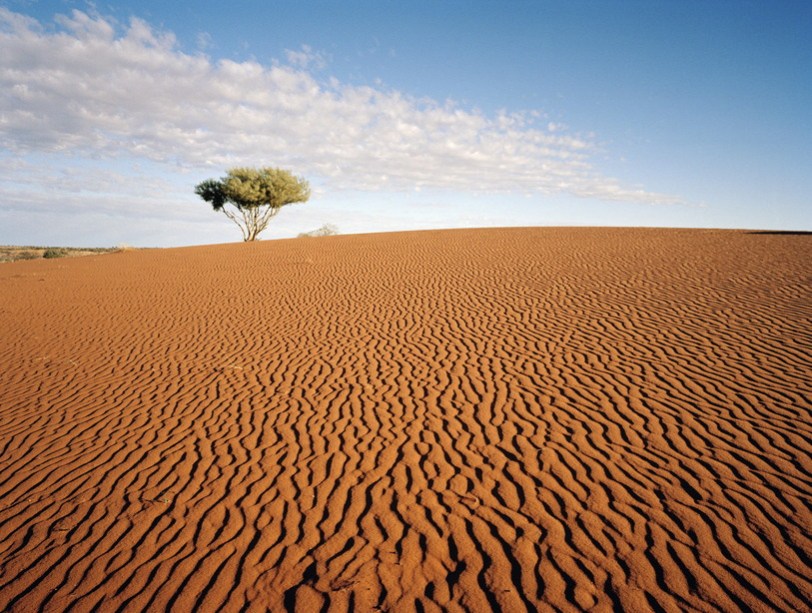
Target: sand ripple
[512,419]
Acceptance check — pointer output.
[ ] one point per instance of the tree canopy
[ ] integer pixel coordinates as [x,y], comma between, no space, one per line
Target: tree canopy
[251,197]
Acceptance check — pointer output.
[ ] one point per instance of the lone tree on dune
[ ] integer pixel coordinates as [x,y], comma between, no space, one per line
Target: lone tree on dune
[251,197]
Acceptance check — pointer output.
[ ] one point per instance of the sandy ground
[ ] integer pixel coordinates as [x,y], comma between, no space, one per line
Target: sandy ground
[512,419]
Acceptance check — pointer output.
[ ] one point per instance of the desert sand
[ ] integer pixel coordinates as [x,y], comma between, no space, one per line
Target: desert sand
[470,420]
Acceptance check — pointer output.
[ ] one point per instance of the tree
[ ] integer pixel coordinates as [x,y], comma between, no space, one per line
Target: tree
[251,197]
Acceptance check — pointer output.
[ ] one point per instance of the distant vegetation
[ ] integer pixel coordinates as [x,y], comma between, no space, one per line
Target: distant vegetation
[12,253]
[325,230]
[251,197]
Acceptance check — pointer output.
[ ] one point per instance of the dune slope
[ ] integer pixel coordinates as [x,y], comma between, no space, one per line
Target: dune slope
[472,420]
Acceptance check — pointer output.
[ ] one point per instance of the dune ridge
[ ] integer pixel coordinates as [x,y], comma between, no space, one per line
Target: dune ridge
[502,419]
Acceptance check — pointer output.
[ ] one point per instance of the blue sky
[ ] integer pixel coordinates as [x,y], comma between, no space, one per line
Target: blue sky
[403,115]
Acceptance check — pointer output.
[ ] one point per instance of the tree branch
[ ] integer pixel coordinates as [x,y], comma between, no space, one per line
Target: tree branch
[240,224]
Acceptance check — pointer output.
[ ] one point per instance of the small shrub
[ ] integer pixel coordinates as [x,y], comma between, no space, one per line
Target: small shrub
[54,253]
[325,230]
[27,255]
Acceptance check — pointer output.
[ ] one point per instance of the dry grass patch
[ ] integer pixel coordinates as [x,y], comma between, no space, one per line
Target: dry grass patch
[12,253]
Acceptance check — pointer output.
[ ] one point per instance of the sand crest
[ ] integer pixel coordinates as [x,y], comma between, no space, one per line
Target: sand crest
[514,419]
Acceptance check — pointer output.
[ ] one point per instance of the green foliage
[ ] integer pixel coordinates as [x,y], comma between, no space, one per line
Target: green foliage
[255,195]
[248,187]
[212,191]
[54,253]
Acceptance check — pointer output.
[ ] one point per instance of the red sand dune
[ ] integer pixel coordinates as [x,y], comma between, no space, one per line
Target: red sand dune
[512,419]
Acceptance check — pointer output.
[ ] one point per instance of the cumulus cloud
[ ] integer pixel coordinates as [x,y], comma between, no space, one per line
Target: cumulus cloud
[94,88]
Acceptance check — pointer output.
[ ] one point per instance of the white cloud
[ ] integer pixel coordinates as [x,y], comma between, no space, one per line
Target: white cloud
[306,57]
[90,88]
[204,41]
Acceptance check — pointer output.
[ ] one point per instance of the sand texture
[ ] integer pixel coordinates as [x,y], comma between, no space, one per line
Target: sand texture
[474,420]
